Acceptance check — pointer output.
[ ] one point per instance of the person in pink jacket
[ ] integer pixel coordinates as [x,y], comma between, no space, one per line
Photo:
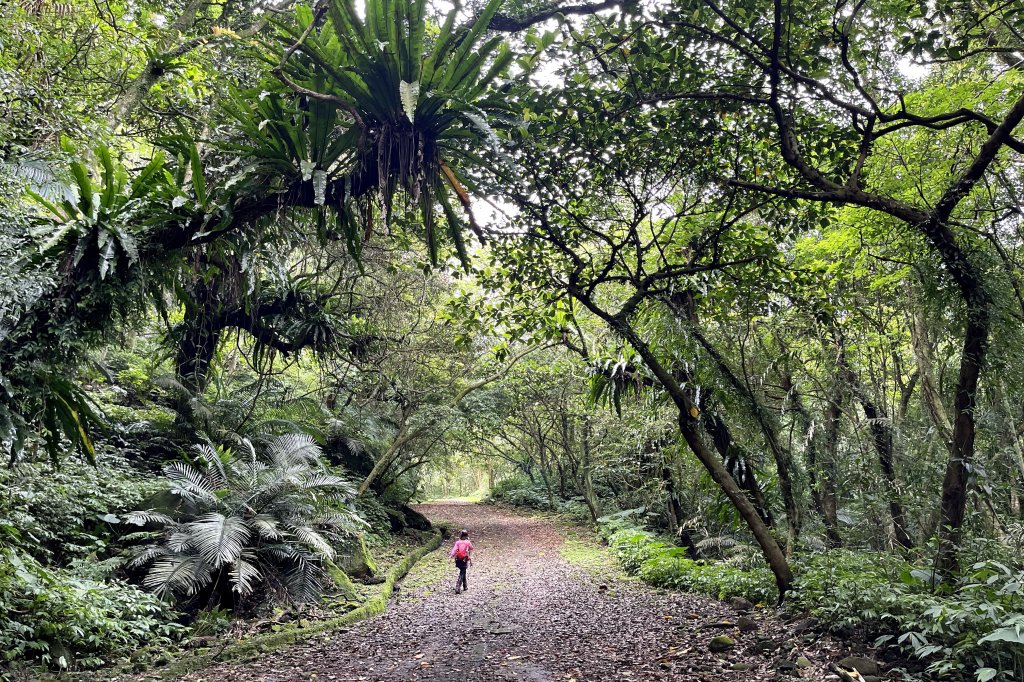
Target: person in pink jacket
[462,552]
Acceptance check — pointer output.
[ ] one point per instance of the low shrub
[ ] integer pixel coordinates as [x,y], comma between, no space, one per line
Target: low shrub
[59,514]
[251,526]
[663,564]
[520,492]
[576,509]
[976,628]
[57,618]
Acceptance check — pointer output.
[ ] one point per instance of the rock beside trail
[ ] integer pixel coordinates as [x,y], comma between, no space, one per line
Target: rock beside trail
[805,625]
[721,643]
[742,605]
[865,666]
[744,624]
[355,560]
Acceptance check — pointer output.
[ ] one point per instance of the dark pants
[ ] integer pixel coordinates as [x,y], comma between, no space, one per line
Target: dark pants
[461,564]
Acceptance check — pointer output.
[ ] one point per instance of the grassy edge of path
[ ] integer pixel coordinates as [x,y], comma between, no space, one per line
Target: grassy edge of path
[267,642]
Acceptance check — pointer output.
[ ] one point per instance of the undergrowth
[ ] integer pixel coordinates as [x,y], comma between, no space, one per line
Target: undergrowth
[63,620]
[975,629]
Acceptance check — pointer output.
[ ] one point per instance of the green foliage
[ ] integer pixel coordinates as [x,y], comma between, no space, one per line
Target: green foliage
[977,626]
[62,620]
[413,105]
[658,563]
[58,514]
[518,491]
[257,524]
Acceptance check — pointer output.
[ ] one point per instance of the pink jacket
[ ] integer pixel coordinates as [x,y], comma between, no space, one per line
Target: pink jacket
[461,544]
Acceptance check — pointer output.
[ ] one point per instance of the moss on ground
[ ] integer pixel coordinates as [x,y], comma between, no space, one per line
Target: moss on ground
[428,572]
[583,550]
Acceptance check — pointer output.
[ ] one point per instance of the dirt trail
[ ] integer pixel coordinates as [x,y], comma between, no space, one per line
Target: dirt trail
[530,615]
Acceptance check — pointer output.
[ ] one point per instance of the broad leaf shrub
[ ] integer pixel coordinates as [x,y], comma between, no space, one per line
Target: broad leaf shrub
[662,564]
[251,526]
[60,514]
[976,629]
[520,492]
[60,619]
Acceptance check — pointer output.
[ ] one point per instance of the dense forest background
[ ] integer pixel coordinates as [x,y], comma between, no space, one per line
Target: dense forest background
[739,282]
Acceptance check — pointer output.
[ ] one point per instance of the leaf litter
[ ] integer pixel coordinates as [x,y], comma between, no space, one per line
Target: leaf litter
[531,615]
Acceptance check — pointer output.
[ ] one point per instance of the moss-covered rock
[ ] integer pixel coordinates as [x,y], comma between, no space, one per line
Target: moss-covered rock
[355,560]
[721,643]
[343,586]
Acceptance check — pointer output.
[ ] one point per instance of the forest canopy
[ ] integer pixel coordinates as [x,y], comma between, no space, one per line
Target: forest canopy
[739,282]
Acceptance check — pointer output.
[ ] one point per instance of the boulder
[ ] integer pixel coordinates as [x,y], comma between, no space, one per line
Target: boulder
[342,583]
[745,624]
[805,625]
[397,520]
[865,666]
[415,520]
[784,667]
[742,605]
[355,560]
[721,643]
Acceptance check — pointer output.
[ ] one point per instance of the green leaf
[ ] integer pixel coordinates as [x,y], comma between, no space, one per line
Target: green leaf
[409,93]
[198,182]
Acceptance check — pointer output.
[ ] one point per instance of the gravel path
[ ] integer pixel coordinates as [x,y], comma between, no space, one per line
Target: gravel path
[531,615]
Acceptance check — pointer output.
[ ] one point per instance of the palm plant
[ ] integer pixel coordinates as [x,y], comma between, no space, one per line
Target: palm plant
[371,109]
[253,523]
[92,232]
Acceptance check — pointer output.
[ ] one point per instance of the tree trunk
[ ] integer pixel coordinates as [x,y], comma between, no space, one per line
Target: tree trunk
[819,467]
[784,462]
[881,436]
[689,423]
[737,462]
[675,510]
[829,497]
[586,469]
[683,306]
[762,534]
[954,485]
[930,393]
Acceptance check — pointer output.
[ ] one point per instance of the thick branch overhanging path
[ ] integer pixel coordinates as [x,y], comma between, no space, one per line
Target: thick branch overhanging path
[531,615]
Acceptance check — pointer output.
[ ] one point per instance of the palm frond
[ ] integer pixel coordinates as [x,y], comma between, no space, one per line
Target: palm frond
[219,539]
[306,580]
[178,574]
[314,540]
[146,516]
[147,555]
[266,515]
[294,448]
[245,574]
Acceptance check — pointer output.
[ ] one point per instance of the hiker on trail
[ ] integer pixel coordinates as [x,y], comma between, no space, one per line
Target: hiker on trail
[462,552]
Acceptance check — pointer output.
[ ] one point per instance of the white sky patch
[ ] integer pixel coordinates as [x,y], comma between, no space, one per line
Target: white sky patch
[912,70]
[494,213]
